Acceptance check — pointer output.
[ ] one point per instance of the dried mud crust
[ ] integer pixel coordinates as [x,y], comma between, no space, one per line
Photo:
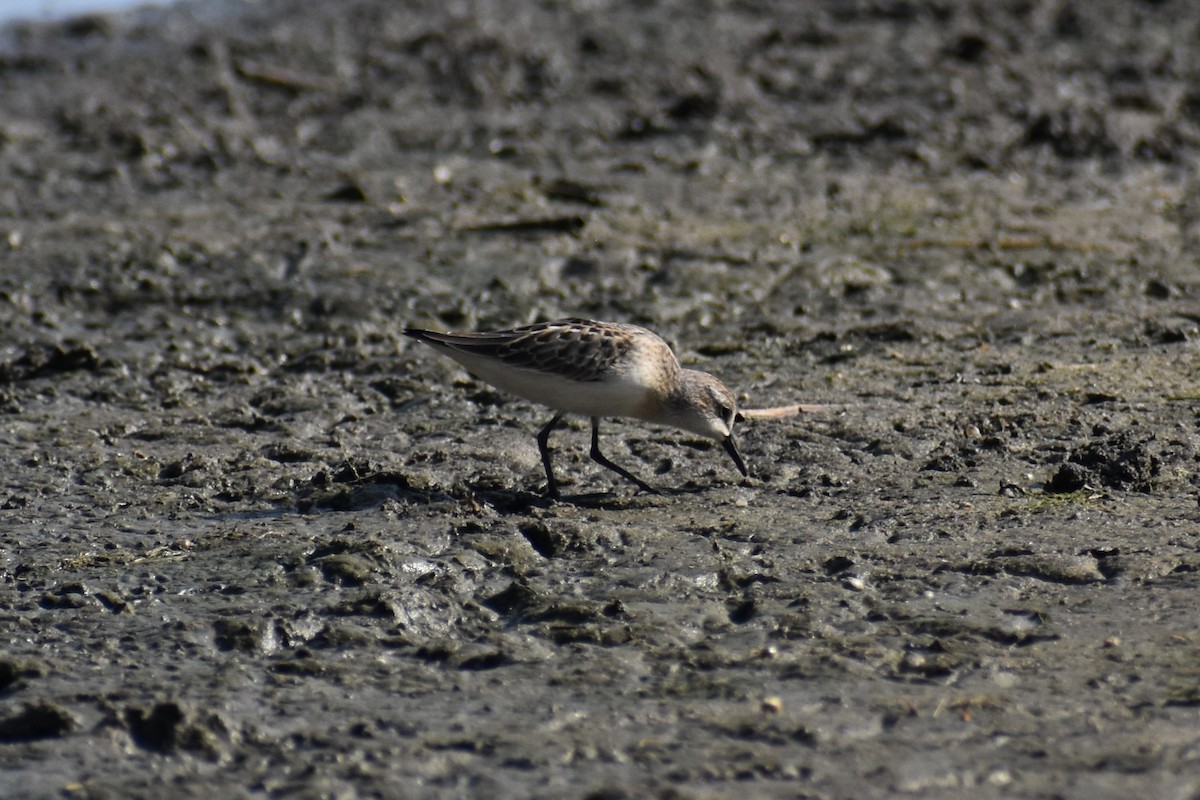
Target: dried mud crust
[252,541]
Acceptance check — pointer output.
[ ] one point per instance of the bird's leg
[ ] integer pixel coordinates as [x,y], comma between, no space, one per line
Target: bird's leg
[599,458]
[543,440]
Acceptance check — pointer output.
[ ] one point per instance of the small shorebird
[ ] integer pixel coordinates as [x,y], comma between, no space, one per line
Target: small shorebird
[598,369]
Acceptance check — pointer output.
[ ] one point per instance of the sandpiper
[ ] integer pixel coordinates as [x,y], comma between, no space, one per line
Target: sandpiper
[598,369]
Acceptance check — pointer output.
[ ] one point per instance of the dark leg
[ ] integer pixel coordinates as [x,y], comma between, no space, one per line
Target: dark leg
[543,440]
[599,458]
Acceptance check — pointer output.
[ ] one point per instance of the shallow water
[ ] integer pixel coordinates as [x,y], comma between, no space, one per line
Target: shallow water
[44,10]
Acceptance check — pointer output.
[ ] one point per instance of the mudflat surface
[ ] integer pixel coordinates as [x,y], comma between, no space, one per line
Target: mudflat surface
[254,542]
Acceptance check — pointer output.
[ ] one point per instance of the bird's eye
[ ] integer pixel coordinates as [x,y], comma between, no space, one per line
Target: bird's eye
[724,412]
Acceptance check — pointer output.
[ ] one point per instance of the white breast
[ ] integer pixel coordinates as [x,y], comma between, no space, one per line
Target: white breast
[623,395]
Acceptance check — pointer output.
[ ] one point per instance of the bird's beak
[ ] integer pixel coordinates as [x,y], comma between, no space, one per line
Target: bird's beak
[731,448]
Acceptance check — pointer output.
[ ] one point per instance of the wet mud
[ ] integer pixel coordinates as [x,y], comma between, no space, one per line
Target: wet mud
[254,541]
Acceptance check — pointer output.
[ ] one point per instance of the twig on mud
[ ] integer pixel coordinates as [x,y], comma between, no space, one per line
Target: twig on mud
[788,411]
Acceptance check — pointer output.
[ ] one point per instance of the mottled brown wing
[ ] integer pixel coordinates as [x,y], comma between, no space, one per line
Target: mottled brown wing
[576,349]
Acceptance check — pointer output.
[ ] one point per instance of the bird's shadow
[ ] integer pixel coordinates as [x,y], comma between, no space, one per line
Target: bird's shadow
[515,501]
[363,489]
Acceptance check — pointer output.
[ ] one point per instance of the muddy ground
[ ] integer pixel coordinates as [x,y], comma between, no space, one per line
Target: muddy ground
[255,542]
